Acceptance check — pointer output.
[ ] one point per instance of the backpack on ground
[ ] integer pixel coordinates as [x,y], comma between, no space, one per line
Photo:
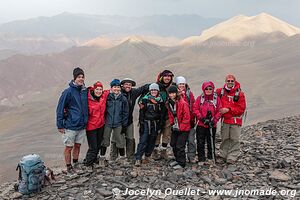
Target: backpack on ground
[32,173]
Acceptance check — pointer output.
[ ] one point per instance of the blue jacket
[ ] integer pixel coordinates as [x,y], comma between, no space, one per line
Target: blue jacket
[117,111]
[72,108]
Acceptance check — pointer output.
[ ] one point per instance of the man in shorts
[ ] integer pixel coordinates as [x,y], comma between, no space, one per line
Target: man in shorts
[71,118]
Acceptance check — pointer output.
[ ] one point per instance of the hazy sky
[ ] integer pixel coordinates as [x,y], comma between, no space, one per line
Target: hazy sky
[22,9]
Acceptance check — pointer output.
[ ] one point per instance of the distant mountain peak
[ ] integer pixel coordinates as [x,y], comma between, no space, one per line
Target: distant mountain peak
[134,39]
[241,27]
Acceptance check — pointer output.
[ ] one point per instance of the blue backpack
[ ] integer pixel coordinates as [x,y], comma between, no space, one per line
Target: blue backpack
[32,173]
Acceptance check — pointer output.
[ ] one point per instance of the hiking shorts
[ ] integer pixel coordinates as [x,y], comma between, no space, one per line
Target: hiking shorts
[71,137]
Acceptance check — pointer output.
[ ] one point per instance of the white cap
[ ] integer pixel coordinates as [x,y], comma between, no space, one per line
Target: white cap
[154,86]
[180,79]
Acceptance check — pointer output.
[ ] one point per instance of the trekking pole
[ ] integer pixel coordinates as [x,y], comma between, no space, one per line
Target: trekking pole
[211,137]
[212,144]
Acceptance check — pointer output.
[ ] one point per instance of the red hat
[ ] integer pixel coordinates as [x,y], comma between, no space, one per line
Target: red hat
[230,76]
[98,84]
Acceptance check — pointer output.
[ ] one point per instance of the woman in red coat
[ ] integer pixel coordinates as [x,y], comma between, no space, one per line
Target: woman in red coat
[96,120]
[188,96]
[207,110]
[179,116]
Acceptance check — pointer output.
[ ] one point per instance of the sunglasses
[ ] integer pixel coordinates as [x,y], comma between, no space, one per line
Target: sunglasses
[230,81]
[208,89]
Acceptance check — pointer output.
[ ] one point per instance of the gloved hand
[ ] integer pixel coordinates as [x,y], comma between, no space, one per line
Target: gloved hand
[124,129]
[206,121]
[211,124]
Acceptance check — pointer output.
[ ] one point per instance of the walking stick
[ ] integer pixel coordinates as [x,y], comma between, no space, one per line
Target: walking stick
[209,115]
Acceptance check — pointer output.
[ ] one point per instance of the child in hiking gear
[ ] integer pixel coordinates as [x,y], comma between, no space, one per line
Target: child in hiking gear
[207,110]
[152,116]
[179,116]
[131,94]
[164,81]
[233,109]
[96,120]
[188,96]
[117,111]
[71,118]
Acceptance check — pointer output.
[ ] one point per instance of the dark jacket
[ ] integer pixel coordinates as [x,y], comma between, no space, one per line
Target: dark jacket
[72,108]
[117,111]
[152,109]
[132,97]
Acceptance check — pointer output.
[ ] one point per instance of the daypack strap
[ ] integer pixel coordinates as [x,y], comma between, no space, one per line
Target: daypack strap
[236,94]
[214,101]
[173,110]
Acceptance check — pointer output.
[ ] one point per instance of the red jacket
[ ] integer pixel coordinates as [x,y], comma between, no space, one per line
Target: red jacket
[97,109]
[200,110]
[183,115]
[190,101]
[236,109]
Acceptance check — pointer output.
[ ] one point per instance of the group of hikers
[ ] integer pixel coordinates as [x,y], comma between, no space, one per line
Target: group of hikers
[169,114]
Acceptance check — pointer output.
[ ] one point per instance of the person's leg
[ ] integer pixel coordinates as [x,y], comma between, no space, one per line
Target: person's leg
[155,154]
[67,155]
[101,148]
[120,140]
[210,147]
[234,150]
[201,143]
[130,142]
[151,139]
[68,140]
[99,138]
[191,153]
[113,150]
[225,143]
[91,154]
[166,138]
[79,139]
[142,143]
[173,141]
[105,140]
[106,136]
[180,148]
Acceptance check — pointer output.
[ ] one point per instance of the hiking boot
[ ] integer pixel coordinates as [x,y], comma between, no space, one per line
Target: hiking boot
[131,161]
[201,163]
[146,160]
[209,162]
[177,167]
[70,171]
[138,163]
[192,160]
[220,160]
[76,166]
[174,163]
[155,154]
[122,161]
[102,161]
[164,154]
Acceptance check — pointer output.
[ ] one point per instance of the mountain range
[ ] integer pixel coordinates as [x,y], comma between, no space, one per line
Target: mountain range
[57,33]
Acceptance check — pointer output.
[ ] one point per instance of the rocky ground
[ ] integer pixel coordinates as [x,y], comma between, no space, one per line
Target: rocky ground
[270,160]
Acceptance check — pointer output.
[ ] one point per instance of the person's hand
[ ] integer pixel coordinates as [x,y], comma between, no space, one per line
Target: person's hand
[206,122]
[61,130]
[211,124]
[224,110]
[124,129]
